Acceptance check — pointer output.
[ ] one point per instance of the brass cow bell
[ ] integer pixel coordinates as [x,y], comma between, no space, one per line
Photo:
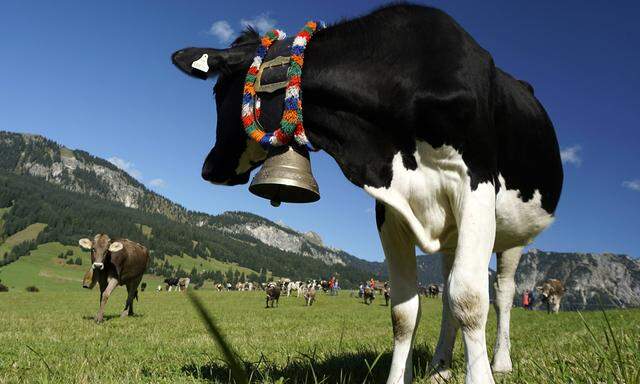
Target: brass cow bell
[286,177]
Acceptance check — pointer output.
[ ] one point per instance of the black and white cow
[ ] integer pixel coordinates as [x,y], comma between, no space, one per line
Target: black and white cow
[460,157]
[172,283]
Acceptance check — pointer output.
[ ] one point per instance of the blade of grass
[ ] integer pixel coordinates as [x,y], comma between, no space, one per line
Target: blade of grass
[41,358]
[237,371]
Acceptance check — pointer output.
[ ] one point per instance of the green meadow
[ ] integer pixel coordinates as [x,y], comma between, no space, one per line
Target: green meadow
[50,336]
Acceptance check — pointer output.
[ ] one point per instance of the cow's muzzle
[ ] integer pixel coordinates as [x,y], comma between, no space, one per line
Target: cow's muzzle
[98,265]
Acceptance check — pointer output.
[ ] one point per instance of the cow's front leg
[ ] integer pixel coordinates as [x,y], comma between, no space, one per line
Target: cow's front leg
[112,283]
[443,356]
[505,288]
[399,250]
[468,283]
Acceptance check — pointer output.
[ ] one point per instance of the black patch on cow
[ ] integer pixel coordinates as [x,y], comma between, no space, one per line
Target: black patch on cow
[436,85]
[409,161]
[380,214]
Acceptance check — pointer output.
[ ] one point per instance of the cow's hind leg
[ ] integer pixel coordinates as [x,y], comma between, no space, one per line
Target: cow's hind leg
[441,362]
[132,292]
[399,249]
[468,283]
[505,288]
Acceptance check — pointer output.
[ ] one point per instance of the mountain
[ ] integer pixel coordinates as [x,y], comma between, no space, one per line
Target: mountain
[590,279]
[93,180]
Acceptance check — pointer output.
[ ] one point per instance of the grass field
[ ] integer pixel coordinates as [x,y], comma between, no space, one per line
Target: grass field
[50,336]
[187,262]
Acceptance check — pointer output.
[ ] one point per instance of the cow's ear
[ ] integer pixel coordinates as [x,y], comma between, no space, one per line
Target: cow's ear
[115,246]
[85,243]
[206,62]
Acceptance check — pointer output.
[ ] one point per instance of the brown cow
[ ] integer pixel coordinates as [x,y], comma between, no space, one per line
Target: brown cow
[310,296]
[115,262]
[369,295]
[551,293]
[273,294]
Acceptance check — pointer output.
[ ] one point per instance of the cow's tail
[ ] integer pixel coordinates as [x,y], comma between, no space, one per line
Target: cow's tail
[136,296]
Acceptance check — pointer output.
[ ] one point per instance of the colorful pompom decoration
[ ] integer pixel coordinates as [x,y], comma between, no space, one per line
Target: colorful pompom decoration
[291,123]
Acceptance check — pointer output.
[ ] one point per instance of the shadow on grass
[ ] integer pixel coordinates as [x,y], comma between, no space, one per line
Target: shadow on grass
[361,367]
[108,317]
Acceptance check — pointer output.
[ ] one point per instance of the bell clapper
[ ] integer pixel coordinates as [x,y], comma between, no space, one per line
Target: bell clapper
[275,203]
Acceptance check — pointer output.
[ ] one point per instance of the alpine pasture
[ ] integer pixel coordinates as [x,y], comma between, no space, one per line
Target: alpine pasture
[50,336]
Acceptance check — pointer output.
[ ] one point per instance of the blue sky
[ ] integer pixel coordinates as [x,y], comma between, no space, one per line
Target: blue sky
[97,76]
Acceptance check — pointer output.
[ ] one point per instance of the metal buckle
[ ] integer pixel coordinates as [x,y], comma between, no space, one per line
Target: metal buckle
[280,60]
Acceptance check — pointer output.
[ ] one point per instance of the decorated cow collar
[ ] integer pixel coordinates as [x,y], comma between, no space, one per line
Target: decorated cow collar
[291,123]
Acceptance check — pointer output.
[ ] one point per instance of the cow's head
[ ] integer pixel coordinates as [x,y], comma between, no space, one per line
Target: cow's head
[234,154]
[101,246]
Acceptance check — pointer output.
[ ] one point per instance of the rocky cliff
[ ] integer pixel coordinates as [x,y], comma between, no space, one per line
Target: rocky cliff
[590,279]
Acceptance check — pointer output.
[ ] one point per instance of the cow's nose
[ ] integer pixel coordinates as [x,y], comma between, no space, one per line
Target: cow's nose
[98,265]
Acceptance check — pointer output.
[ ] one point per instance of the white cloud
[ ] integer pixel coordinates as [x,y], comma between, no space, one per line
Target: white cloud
[262,23]
[633,185]
[158,183]
[571,155]
[222,30]
[126,166]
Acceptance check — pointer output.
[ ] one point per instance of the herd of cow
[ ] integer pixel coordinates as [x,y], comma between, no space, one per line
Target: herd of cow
[123,262]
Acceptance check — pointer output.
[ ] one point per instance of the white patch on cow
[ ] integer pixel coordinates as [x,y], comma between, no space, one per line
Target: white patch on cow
[422,197]
[518,222]
[252,154]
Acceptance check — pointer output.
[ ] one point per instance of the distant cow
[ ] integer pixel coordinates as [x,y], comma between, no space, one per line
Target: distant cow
[386,290]
[115,262]
[379,286]
[183,283]
[219,287]
[369,295]
[143,286]
[273,294]
[159,288]
[294,286]
[551,293]
[310,296]
[433,290]
[172,282]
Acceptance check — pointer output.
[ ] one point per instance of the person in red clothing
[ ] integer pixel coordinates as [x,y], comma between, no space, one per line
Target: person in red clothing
[525,299]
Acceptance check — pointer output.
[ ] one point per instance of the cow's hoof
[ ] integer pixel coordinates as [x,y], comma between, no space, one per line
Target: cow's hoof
[501,366]
[442,376]
[124,314]
[98,320]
